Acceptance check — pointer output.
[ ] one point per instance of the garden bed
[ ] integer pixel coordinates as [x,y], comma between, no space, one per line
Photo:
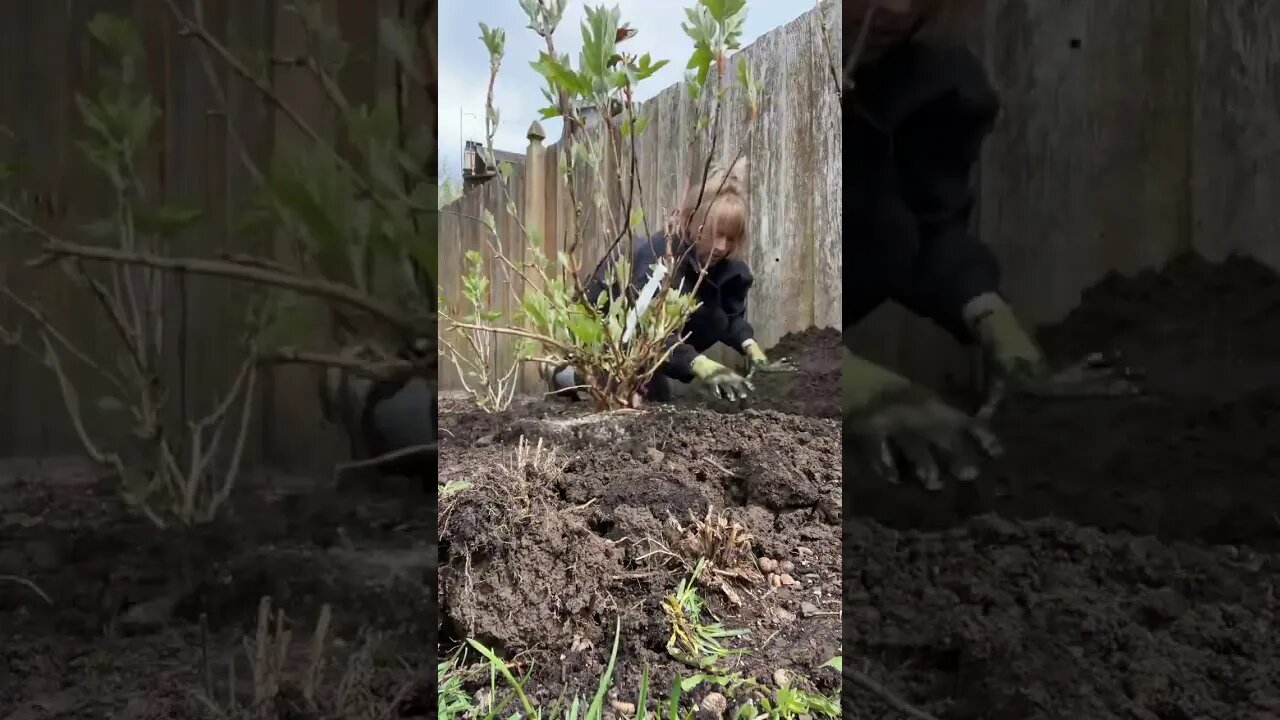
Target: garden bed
[1121,561]
[542,557]
[121,633]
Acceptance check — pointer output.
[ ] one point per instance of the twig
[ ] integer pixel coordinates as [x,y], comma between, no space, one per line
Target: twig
[722,468]
[887,695]
[342,468]
[30,585]
[239,271]
[371,369]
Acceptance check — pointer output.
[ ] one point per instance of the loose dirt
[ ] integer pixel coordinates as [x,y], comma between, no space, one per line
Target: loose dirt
[1150,590]
[540,559]
[121,634]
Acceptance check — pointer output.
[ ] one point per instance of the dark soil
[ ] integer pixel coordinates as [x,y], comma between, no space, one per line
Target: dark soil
[1197,457]
[1151,591]
[121,635]
[997,620]
[541,562]
[815,390]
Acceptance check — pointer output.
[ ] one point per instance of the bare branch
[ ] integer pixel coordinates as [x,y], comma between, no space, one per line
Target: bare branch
[316,287]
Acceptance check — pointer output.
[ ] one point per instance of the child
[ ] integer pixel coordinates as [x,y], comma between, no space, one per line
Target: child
[382,417]
[712,234]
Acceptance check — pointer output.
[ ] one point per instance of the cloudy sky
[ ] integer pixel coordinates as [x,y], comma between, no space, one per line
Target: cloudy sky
[464,62]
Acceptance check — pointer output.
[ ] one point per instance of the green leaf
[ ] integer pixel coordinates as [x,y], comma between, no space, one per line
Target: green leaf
[836,662]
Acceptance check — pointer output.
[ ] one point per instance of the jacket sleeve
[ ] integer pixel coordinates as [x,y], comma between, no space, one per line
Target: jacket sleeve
[734,302]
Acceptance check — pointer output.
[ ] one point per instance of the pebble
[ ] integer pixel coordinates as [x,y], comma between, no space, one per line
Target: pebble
[485,441]
[713,706]
[775,580]
[785,579]
[768,564]
[781,678]
[786,567]
[655,455]
[623,708]
[808,609]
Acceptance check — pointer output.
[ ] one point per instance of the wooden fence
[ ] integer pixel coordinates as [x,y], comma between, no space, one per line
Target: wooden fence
[47,57]
[794,158]
[1131,132]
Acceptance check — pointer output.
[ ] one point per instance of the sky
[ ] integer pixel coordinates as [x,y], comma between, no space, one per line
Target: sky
[464,62]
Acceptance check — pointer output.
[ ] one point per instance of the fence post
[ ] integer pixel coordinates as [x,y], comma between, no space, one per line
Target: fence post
[535,220]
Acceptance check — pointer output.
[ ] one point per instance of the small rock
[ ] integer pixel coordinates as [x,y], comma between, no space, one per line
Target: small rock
[655,455]
[993,528]
[623,708]
[787,567]
[808,609]
[713,706]
[775,580]
[485,440]
[786,579]
[781,678]
[786,617]
[768,565]
[148,616]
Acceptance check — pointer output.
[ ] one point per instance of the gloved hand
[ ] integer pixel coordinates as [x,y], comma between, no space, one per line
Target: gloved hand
[884,412]
[761,363]
[723,382]
[1015,364]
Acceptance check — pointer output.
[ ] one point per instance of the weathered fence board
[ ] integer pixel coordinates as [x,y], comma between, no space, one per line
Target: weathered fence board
[46,57]
[1130,132]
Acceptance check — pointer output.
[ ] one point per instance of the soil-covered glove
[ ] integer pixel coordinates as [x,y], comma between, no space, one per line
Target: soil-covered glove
[761,363]
[723,382]
[1016,365]
[887,417]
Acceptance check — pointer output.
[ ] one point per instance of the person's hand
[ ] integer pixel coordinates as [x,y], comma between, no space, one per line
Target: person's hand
[760,363]
[895,425]
[723,382]
[1015,365]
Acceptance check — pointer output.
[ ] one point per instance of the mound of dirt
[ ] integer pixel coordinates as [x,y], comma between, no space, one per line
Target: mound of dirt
[541,553]
[1196,457]
[135,616]
[815,389]
[812,391]
[1000,620]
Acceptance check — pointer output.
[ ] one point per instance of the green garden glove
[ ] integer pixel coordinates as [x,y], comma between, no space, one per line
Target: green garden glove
[723,382]
[760,363]
[884,412]
[1015,363]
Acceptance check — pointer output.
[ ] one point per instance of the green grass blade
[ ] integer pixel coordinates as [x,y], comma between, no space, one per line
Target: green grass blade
[606,680]
[496,663]
[642,702]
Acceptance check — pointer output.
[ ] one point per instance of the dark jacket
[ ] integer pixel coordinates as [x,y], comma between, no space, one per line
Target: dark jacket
[722,315]
[914,127]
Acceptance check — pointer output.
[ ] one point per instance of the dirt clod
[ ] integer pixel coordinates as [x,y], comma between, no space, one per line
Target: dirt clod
[1122,560]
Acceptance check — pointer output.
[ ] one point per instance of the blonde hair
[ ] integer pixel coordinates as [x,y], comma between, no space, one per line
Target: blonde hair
[723,204]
